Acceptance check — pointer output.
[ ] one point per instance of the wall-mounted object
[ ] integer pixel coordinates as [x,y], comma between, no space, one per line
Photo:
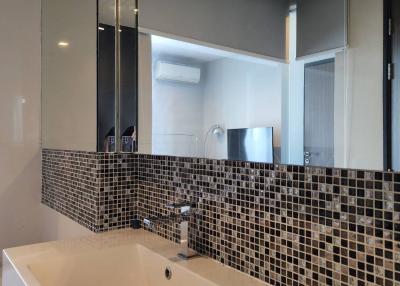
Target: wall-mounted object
[251,144]
[321,26]
[89,74]
[240,25]
[177,73]
[69,61]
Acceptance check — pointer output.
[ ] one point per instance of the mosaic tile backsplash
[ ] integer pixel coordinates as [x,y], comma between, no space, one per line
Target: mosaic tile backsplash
[93,189]
[286,225]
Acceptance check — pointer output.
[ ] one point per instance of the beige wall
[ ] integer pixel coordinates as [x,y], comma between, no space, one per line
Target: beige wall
[145,94]
[363,102]
[23,219]
[358,131]
[69,75]
[19,122]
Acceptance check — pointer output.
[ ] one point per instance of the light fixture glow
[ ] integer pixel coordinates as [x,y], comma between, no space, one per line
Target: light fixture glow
[101,28]
[63,44]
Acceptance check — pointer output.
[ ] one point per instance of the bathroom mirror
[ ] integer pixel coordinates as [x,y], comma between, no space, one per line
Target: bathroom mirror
[306,82]
[89,75]
[289,82]
[69,60]
[117,76]
[106,84]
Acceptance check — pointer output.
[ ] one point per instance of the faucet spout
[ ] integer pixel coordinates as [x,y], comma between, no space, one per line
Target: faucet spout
[185,208]
[185,252]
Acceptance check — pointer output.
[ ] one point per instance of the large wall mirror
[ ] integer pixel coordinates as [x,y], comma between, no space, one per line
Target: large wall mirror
[290,82]
[306,82]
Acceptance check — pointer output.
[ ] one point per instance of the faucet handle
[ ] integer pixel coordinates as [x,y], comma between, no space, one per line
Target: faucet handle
[147,223]
[180,205]
[184,206]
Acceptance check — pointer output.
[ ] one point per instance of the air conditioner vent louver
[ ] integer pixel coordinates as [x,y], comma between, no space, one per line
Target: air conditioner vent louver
[177,73]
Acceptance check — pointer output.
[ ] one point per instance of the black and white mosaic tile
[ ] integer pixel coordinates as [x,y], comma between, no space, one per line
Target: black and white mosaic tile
[286,225]
[94,189]
[70,185]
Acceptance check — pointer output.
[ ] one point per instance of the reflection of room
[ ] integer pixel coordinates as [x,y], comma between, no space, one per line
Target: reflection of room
[324,105]
[106,76]
[356,123]
[232,91]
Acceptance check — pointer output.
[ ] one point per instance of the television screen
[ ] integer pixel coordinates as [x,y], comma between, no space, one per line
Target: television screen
[251,144]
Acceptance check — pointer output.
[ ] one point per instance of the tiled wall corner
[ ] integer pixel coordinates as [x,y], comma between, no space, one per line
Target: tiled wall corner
[70,185]
[97,190]
[286,225]
[117,179]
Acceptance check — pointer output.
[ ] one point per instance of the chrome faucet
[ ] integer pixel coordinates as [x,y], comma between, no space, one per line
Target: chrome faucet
[186,210]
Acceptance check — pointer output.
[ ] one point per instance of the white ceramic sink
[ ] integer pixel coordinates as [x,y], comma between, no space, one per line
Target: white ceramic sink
[117,258]
[123,266]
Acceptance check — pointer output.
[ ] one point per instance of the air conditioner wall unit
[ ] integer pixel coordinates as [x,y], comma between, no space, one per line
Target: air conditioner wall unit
[177,72]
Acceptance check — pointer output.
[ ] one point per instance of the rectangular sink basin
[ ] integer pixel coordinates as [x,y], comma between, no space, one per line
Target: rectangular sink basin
[120,266]
[120,258]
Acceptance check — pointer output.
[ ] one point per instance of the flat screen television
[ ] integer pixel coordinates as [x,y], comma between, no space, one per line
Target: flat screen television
[251,144]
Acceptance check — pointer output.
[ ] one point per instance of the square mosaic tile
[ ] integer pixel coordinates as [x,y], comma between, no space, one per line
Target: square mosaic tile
[94,189]
[285,225]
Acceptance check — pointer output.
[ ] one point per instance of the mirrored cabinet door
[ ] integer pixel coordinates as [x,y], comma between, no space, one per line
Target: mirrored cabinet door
[117,76]
[394,86]
[69,63]
[89,78]
[106,78]
[128,76]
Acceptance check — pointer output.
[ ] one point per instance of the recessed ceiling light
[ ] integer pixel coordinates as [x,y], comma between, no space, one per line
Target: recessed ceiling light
[63,44]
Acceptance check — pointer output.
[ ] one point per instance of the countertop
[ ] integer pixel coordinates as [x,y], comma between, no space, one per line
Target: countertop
[21,257]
